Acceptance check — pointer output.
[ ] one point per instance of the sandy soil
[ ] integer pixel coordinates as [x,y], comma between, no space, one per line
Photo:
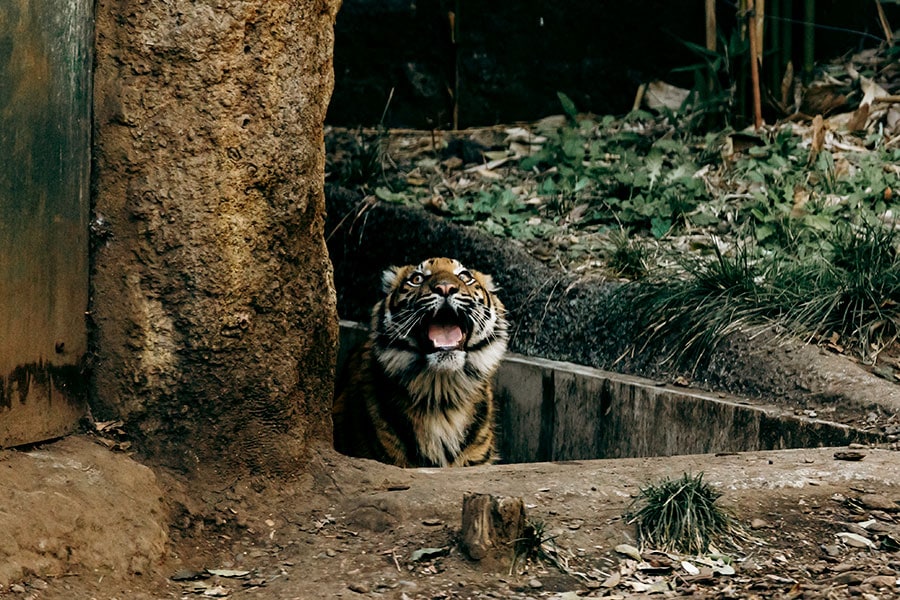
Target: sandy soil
[349,528]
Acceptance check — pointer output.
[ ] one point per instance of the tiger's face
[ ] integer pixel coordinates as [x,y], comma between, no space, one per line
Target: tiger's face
[439,316]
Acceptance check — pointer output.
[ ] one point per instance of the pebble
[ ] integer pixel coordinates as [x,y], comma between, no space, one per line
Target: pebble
[330,553]
[878,502]
[760,524]
[359,588]
[535,583]
[17,588]
[882,581]
[832,550]
[882,516]
[849,578]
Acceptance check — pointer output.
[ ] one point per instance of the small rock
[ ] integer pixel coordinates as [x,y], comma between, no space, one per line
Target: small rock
[330,553]
[359,588]
[39,584]
[187,575]
[849,578]
[17,588]
[832,550]
[535,584]
[760,524]
[878,502]
[849,455]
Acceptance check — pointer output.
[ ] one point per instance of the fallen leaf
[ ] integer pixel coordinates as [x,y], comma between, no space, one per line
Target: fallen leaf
[690,568]
[612,581]
[629,551]
[855,540]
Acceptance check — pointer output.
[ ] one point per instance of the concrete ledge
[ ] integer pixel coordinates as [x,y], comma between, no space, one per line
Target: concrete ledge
[557,411]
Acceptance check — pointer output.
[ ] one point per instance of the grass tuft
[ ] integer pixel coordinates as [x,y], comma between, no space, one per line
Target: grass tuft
[681,515]
[626,257]
[848,294]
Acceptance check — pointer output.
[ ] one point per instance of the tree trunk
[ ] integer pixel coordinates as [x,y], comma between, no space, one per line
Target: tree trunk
[212,295]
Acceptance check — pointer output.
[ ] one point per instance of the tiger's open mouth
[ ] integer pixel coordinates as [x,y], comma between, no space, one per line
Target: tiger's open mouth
[444,331]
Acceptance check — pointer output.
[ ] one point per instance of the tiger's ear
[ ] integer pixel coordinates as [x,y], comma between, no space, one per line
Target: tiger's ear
[389,279]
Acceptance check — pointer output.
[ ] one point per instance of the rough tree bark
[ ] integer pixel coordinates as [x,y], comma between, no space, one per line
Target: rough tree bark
[212,296]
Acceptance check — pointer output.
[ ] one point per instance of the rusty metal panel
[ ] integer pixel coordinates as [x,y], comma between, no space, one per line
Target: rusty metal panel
[45,99]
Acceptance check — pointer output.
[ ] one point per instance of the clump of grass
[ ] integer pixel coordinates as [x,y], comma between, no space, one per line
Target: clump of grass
[689,316]
[851,290]
[681,515]
[536,544]
[626,257]
[360,162]
[854,292]
[534,536]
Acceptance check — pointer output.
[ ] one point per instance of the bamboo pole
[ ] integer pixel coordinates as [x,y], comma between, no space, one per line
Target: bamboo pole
[754,64]
[711,38]
[888,32]
[809,38]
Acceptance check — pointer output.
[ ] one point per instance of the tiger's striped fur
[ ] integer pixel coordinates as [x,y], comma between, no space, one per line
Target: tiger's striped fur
[418,393]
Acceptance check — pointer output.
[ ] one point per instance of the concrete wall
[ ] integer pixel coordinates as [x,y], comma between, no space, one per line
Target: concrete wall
[556,411]
[45,59]
[552,411]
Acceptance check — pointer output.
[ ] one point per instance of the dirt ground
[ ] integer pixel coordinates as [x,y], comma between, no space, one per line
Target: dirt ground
[90,523]
[81,520]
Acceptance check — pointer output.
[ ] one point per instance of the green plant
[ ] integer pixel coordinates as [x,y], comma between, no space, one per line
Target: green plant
[682,515]
[359,163]
[627,257]
[853,292]
[716,79]
[688,316]
[535,544]
[851,289]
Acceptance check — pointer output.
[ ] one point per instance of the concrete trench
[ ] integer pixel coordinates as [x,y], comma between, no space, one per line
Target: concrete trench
[559,411]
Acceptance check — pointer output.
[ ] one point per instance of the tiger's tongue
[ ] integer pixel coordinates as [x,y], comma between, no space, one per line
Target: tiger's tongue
[445,336]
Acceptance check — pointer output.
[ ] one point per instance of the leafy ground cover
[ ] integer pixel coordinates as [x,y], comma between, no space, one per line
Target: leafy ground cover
[792,224]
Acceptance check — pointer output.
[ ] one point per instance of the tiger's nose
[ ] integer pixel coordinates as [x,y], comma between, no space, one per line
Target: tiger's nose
[445,289]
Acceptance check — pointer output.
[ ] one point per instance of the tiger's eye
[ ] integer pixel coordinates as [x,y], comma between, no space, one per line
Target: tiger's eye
[416,279]
[465,277]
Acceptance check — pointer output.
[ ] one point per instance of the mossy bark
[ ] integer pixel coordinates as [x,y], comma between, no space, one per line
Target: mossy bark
[212,292]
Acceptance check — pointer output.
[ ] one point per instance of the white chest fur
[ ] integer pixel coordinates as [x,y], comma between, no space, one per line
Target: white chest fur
[442,434]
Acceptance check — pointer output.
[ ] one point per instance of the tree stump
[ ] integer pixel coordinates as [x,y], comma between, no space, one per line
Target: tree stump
[491,525]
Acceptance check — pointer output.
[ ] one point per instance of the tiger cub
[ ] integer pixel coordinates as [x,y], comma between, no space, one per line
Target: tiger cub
[418,393]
